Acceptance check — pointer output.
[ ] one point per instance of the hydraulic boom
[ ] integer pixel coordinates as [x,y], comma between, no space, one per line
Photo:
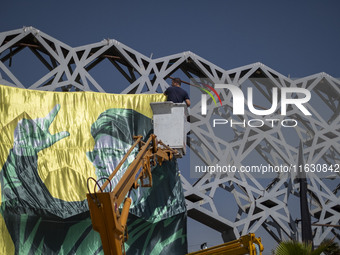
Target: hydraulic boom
[110,221]
[104,206]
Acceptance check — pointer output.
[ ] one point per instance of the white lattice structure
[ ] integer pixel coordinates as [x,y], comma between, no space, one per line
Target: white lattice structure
[258,203]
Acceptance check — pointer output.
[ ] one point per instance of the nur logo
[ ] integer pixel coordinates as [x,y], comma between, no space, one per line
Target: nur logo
[239,99]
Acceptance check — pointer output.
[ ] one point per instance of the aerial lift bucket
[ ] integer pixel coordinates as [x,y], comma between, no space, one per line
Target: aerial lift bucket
[170,124]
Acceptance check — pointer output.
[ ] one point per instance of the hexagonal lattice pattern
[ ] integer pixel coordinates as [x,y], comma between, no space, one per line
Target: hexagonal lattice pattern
[258,203]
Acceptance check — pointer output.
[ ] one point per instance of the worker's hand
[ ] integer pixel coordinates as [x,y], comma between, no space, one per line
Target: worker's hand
[32,136]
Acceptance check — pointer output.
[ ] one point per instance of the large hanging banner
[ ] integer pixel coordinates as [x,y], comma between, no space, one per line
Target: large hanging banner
[50,143]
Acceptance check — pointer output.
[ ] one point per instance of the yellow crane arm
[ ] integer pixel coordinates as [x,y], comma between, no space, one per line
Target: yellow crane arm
[247,244]
[104,206]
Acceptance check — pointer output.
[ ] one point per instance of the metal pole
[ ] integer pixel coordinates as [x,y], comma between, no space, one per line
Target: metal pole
[306,226]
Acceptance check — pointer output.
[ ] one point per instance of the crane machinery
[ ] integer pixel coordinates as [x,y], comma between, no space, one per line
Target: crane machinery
[247,244]
[107,219]
[111,221]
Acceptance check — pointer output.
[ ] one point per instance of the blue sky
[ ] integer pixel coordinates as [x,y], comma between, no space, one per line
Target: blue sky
[296,38]
[292,37]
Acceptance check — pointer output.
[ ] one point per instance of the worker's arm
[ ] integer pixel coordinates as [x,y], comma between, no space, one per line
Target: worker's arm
[187,101]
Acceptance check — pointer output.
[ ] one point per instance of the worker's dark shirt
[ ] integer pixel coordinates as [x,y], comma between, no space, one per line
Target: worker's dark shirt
[176,94]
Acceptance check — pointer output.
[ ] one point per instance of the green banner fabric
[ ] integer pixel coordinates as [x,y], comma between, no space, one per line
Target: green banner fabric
[47,152]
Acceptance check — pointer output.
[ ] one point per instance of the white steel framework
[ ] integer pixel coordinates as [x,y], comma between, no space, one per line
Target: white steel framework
[258,203]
